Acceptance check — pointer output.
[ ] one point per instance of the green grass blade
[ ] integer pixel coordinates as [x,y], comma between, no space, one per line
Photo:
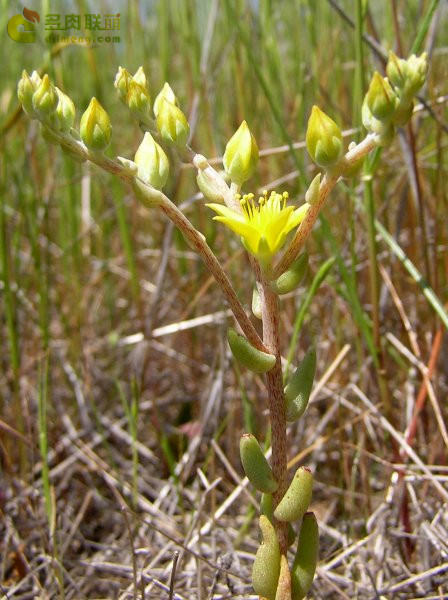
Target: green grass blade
[319,278]
[424,26]
[427,290]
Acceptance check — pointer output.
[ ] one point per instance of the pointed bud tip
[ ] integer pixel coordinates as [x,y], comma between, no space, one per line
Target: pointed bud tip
[241,155]
[323,138]
[172,123]
[152,162]
[95,128]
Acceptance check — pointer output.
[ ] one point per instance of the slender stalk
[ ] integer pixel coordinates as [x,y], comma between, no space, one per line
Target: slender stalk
[274,384]
[200,245]
[375,290]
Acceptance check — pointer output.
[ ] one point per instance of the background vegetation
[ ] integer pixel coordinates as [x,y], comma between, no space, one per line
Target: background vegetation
[121,410]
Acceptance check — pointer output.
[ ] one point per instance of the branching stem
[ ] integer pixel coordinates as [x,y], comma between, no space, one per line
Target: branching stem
[328,182]
[195,238]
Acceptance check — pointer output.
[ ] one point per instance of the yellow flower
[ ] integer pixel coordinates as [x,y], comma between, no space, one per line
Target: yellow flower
[263,225]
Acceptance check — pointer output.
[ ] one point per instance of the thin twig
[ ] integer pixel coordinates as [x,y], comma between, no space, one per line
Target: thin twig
[173,574]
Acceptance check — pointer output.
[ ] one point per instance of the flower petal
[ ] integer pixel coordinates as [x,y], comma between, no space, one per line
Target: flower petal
[276,225]
[227,212]
[298,215]
[244,229]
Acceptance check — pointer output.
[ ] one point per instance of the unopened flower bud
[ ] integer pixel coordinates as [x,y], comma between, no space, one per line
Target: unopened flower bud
[65,111]
[138,100]
[323,138]
[312,194]
[25,91]
[397,70]
[381,98]
[95,128]
[45,99]
[152,162]
[172,123]
[210,188]
[121,83]
[35,78]
[140,77]
[384,131]
[241,155]
[418,69]
[166,93]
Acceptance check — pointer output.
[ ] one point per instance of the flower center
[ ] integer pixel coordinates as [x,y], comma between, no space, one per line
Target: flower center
[263,209]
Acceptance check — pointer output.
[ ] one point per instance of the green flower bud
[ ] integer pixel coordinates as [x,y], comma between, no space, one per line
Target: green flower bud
[241,155]
[252,358]
[385,131]
[381,98]
[166,93]
[290,279]
[298,390]
[35,78]
[397,70]
[122,80]
[283,591]
[65,111]
[152,162]
[266,567]
[25,91]
[138,100]
[140,77]
[312,194]
[323,138]
[211,192]
[45,99]
[172,123]
[95,128]
[255,465]
[256,304]
[417,71]
[352,169]
[297,498]
[305,561]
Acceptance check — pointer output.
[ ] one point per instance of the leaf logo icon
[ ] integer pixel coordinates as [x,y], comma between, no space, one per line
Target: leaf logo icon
[31,15]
